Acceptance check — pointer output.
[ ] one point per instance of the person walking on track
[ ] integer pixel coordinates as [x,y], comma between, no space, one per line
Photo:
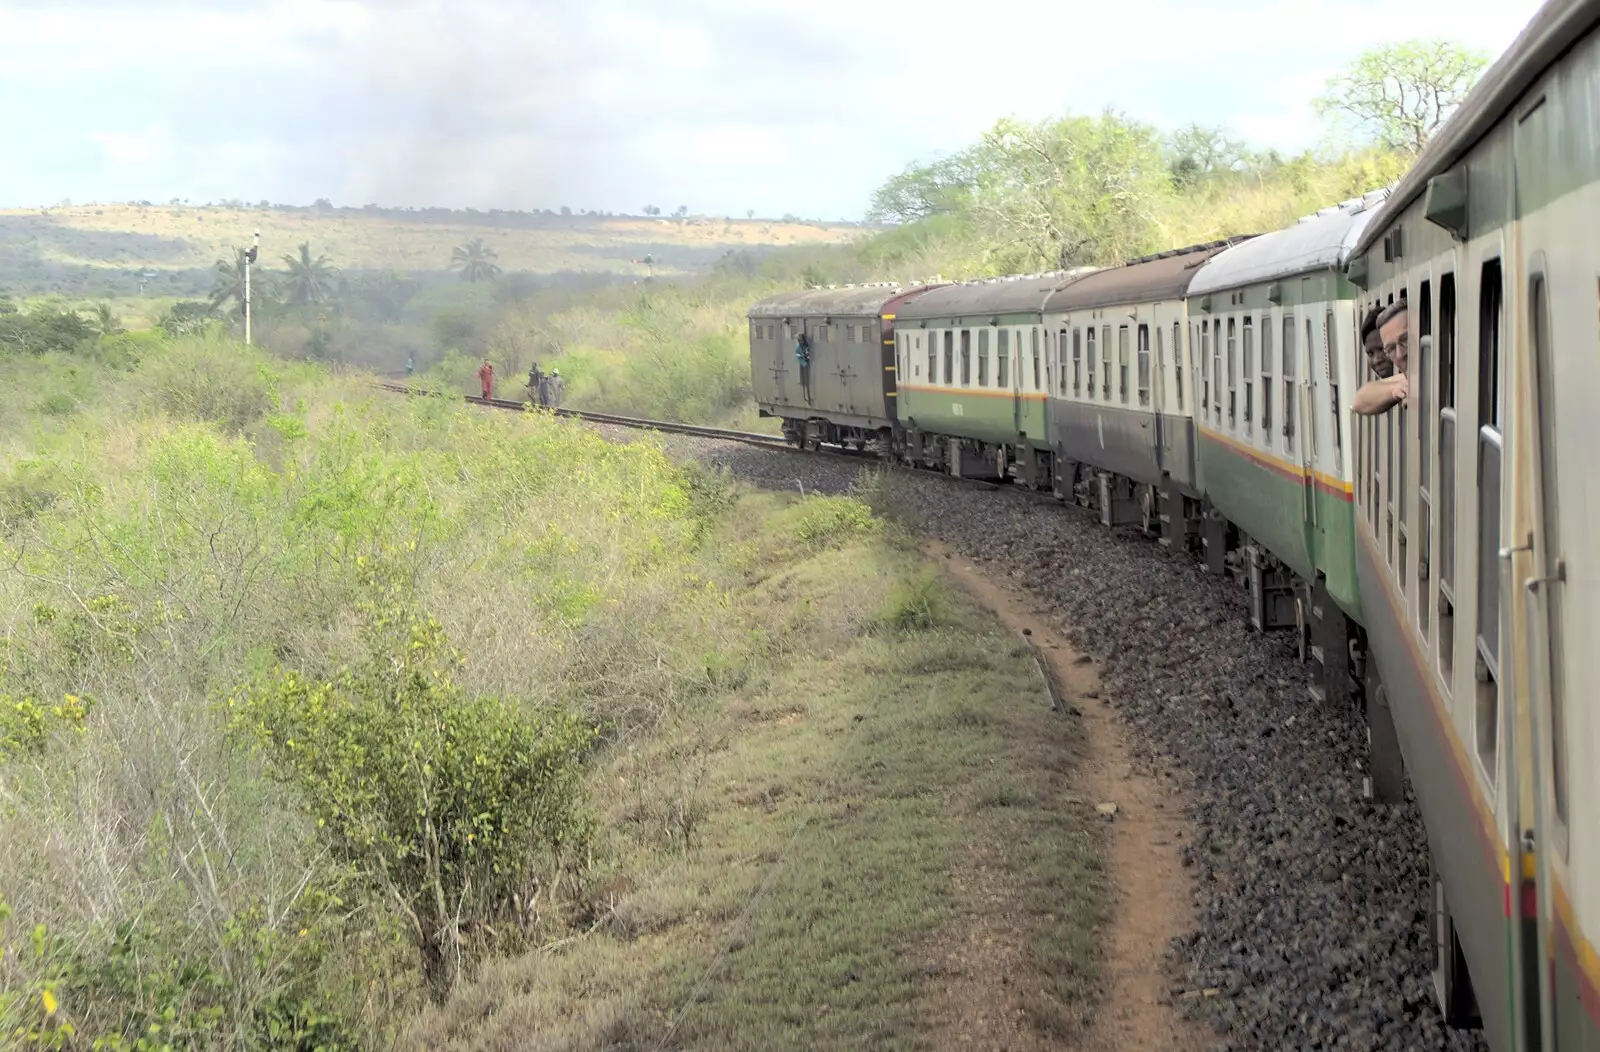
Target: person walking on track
[486,379]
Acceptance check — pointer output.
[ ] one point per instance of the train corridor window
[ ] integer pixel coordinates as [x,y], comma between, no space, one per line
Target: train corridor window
[1266,380]
[1330,357]
[1088,368]
[1289,413]
[966,357]
[983,357]
[1425,425]
[1036,385]
[1205,368]
[1122,362]
[1216,372]
[1486,667]
[1177,360]
[1002,370]
[1311,402]
[1447,479]
[1105,362]
[1233,375]
[1549,543]
[949,356]
[1144,364]
[1247,341]
[933,358]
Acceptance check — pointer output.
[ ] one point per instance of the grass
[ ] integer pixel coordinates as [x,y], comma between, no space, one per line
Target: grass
[788,856]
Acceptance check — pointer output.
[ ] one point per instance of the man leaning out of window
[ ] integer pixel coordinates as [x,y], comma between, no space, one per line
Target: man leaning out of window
[1382,395]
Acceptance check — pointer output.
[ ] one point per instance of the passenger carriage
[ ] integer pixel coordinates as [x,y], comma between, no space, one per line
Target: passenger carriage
[973,370]
[1270,323]
[1477,508]
[847,394]
[1120,425]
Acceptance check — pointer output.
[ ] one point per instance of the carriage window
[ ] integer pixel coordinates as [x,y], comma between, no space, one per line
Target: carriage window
[1144,364]
[1036,385]
[1233,375]
[1002,370]
[1088,368]
[949,356]
[1330,356]
[1205,367]
[1487,664]
[1425,425]
[1105,362]
[1216,371]
[1447,477]
[983,357]
[1247,339]
[1266,380]
[1288,383]
[1177,361]
[1122,362]
[933,358]
[1550,538]
[966,357]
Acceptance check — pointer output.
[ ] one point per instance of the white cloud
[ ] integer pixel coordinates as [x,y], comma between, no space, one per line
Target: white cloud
[718,104]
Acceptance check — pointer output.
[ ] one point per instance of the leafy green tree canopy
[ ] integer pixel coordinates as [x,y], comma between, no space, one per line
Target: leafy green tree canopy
[1400,93]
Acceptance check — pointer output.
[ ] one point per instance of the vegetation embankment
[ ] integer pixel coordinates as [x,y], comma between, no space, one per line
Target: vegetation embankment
[315,708]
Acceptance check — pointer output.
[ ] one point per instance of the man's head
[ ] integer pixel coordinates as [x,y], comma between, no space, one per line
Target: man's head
[1393,326]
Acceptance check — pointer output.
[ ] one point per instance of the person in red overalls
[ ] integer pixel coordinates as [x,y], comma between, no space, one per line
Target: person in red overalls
[486,378]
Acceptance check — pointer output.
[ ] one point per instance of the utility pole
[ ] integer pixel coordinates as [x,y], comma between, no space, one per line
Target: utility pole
[249,259]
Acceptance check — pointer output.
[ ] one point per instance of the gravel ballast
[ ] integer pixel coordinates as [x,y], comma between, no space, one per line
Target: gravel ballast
[1312,930]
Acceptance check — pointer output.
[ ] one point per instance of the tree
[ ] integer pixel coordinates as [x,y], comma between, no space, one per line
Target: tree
[105,320]
[749,213]
[1065,192]
[228,285]
[1401,93]
[309,280]
[384,295]
[475,260]
[683,211]
[565,210]
[652,210]
[1200,153]
[923,190]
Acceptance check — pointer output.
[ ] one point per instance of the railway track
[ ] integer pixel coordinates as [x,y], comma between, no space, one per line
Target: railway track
[749,438]
[753,438]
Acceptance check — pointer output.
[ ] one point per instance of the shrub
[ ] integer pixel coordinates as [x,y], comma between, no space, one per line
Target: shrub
[917,605]
[829,521]
[446,803]
[210,380]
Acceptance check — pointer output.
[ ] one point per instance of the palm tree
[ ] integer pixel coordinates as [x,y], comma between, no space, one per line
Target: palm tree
[106,321]
[475,260]
[310,280]
[229,282]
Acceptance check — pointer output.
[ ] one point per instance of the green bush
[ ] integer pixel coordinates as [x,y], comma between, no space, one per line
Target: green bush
[831,521]
[917,605]
[451,805]
[211,380]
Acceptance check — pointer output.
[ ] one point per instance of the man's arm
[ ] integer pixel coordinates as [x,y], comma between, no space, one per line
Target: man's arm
[1379,396]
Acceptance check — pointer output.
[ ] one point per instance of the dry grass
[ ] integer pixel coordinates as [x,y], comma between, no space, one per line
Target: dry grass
[787,856]
[82,245]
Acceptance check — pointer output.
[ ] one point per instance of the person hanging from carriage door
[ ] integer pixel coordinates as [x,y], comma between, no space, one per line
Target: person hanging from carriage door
[802,354]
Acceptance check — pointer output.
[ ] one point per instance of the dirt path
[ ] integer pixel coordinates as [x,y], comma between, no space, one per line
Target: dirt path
[1153,902]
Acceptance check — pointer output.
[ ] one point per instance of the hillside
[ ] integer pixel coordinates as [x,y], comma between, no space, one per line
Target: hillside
[100,250]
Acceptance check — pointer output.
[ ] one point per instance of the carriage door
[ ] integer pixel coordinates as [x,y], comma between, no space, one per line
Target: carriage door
[1295,396]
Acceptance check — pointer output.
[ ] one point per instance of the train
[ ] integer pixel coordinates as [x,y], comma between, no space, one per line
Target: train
[1436,564]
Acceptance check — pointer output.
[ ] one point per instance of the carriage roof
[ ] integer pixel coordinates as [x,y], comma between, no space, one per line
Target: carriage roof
[1317,242]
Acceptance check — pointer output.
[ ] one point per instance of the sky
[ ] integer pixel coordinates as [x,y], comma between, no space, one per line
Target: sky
[722,106]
